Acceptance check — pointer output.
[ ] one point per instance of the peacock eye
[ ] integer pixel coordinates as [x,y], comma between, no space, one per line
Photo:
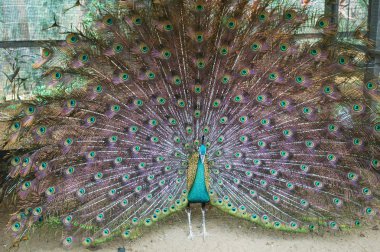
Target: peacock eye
[223,120]
[44,165]
[199,38]
[263,17]
[68,141]
[327,89]
[168,27]
[331,157]
[98,89]
[91,120]
[377,127]
[238,98]
[91,154]
[352,176]
[283,47]
[289,16]
[15,161]
[199,7]
[216,103]
[304,202]
[84,58]
[332,128]
[371,85]
[357,108]
[124,76]
[50,191]
[46,53]
[243,139]
[26,185]
[26,161]
[172,121]
[201,63]
[264,121]
[231,23]
[133,129]
[16,226]
[109,21]
[318,184]
[284,104]
[197,89]
[116,108]
[223,51]
[255,46]
[37,211]
[30,110]
[300,79]
[177,80]
[244,72]
[72,39]
[87,241]
[70,170]
[41,130]
[118,48]
[106,232]
[144,48]
[226,79]
[166,54]
[273,76]
[243,119]
[323,23]
[137,20]
[150,75]
[138,102]
[309,144]
[71,103]
[15,126]
[306,110]
[197,113]
[342,60]
[181,103]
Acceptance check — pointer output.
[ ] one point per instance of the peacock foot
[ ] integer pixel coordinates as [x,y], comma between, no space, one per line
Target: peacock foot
[204,234]
[190,236]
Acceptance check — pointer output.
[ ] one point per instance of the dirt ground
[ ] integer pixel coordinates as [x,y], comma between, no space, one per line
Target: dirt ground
[225,234]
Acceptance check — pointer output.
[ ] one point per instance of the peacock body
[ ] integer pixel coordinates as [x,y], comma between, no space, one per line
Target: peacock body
[184,102]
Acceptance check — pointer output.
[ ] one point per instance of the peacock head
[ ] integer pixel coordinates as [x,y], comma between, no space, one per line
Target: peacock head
[202,151]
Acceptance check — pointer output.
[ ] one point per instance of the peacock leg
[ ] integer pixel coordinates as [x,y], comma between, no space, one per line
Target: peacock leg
[188,211]
[204,220]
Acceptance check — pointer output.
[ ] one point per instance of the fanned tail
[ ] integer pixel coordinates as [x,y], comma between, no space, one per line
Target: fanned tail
[291,129]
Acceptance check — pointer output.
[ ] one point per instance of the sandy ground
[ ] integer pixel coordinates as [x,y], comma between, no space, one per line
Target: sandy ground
[225,234]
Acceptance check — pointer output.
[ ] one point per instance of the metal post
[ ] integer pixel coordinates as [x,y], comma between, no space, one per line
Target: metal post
[374,35]
[332,10]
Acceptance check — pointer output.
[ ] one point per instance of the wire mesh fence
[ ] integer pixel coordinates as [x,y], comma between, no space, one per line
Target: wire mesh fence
[28,21]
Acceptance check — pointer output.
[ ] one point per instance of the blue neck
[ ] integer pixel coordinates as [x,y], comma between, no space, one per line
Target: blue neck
[198,192]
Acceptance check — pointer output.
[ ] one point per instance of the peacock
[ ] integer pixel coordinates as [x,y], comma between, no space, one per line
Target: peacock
[158,105]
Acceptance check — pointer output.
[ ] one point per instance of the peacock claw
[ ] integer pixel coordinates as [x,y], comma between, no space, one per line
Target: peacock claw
[204,236]
[191,236]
